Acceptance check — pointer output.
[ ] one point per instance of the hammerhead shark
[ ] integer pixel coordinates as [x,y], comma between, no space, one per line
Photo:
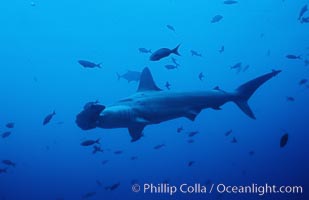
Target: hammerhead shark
[151,105]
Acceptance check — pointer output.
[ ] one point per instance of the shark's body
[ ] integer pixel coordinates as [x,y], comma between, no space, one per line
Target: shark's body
[151,105]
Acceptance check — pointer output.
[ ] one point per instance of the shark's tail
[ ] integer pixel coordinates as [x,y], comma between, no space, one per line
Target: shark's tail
[246,90]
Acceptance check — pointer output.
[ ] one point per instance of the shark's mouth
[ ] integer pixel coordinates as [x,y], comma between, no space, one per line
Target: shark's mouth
[87,119]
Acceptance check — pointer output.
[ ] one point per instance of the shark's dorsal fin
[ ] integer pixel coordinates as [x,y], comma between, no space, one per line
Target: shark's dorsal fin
[146,82]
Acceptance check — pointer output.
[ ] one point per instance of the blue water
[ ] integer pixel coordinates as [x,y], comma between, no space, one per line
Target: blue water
[41,42]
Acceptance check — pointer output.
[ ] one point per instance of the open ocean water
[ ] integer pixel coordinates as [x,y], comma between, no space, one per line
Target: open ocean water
[44,46]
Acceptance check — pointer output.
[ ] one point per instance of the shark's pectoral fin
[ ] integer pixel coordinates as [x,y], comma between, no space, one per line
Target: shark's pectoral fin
[193,113]
[136,132]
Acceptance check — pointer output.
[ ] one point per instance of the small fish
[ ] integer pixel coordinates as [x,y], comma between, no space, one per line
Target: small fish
[118,152]
[190,141]
[304,20]
[90,142]
[88,195]
[159,146]
[201,76]
[236,66]
[302,11]
[88,64]
[170,67]
[245,68]
[190,163]
[105,162]
[10,125]
[229,2]
[130,76]
[216,18]
[234,140]
[292,57]
[9,163]
[3,170]
[48,118]
[303,81]
[227,133]
[221,50]
[251,153]
[163,52]
[193,133]
[96,149]
[284,140]
[289,98]
[179,129]
[175,62]
[195,53]
[112,187]
[168,85]
[133,158]
[170,27]
[144,50]
[6,134]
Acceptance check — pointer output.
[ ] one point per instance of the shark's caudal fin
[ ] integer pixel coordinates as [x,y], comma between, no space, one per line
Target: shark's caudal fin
[245,91]
[146,82]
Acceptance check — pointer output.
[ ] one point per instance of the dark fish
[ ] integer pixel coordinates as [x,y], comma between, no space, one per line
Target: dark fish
[168,85]
[216,18]
[163,52]
[88,64]
[221,50]
[284,140]
[88,195]
[169,67]
[179,129]
[190,163]
[90,142]
[303,81]
[6,134]
[170,27]
[96,149]
[48,118]
[9,163]
[10,125]
[245,68]
[99,183]
[3,170]
[190,141]
[133,158]
[104,162]
[175,62]
[289,98]
[89,104]
[130,76]
[144,50]
[302,11]
[193,133]
[229,2]
[118,152]
[201,76]
[251,153]
[159,146]
[236,66]
[112,187]
[227,133]
[304,20]
[292,57]
[234,140]
[195,53]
